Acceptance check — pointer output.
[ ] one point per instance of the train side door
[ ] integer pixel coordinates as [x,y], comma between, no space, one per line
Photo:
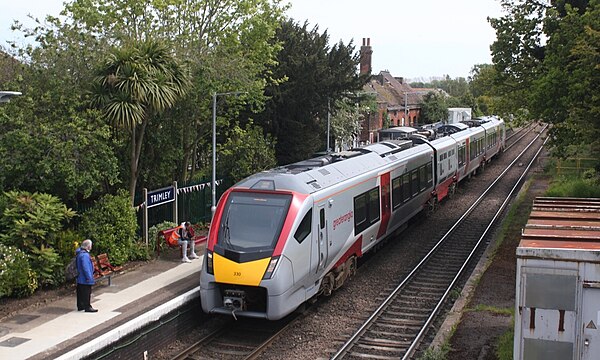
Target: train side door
[322,240]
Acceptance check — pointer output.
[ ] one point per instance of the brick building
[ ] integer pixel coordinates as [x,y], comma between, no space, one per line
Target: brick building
[396,99]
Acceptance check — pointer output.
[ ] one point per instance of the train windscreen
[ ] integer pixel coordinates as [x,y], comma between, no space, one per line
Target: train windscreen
[252,221]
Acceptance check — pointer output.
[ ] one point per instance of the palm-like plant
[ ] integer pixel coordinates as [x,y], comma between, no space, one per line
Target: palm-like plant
[132,85]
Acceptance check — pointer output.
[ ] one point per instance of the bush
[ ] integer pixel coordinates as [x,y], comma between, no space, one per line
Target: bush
[111,224]
[48,266]
[16,277]
[574,187]
[67,243]
[32,220]
[153,233]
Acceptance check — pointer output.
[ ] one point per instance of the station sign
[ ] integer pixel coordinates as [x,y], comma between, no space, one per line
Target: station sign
[160,196]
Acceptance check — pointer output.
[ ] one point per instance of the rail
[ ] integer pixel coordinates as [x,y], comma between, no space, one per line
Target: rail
[400,347]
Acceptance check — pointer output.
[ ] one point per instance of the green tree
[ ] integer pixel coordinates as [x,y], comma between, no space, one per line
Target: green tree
[133,85]
[111,224]
[347,120]
[546,60]
[315,74]
[246,152]
[434,108]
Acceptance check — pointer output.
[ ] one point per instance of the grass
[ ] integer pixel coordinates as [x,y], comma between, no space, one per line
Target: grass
[574,187]
[492,309]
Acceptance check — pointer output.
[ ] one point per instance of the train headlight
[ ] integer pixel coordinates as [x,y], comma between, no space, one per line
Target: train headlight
[271,267]
[209,262]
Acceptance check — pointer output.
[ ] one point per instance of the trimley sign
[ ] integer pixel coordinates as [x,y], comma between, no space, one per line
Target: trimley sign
[160,196]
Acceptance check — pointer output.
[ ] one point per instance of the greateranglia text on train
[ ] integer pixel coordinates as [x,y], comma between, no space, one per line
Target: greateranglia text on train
[284,236]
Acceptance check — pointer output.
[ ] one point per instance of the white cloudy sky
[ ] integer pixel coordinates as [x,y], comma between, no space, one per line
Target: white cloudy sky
[410,38]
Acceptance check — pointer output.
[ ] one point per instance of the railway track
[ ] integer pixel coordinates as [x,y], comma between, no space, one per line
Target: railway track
[396,329]
[237,339]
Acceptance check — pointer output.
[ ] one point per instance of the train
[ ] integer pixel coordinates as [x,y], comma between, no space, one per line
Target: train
[282,237]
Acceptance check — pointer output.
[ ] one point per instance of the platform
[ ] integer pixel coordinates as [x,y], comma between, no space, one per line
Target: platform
[136,298]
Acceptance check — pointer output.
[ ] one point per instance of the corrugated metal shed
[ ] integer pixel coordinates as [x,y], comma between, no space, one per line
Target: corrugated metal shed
[565,222]
[557,309]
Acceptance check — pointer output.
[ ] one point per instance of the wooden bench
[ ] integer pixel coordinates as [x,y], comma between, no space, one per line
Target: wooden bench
[166,234]
[103,269]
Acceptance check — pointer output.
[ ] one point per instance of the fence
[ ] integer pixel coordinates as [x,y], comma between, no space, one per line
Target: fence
[193,204]
[575,166]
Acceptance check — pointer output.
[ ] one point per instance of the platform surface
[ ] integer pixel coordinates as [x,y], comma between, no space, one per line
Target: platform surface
[57,329]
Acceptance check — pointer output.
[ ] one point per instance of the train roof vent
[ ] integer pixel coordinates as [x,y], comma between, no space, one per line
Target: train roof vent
[314,184]
[393,157]
[324,172]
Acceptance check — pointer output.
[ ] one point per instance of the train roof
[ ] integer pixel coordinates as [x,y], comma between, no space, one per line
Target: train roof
[318,173]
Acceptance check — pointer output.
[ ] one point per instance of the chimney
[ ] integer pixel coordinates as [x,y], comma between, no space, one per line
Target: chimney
[365,56]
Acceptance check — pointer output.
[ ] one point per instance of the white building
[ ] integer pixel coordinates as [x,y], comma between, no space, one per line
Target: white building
[456,115]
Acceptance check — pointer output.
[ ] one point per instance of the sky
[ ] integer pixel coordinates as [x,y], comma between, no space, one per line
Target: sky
[416,39]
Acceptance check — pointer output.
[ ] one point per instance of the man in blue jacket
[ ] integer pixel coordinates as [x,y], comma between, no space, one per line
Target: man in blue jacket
[85,277]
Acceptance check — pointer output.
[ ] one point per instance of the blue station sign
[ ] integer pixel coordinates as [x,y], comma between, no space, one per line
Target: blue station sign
[160,196]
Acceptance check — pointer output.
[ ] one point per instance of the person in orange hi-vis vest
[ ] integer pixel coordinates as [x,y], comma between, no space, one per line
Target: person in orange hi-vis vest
[183,236]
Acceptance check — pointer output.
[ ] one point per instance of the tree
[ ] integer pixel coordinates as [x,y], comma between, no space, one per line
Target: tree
[135,84]
[346,121]
[546,60]
[246,152]
[434,108]
[315,75]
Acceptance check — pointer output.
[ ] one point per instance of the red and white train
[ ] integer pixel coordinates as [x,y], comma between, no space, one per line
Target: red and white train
[283,236]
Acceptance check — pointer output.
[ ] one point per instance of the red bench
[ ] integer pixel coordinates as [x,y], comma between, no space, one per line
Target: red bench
[165,234]
[103,269]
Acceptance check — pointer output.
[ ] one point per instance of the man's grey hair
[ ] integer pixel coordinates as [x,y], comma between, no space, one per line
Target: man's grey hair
[86,244]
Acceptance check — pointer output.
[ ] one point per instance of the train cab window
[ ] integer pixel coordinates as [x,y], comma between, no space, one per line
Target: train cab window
[252,221]
[304,228]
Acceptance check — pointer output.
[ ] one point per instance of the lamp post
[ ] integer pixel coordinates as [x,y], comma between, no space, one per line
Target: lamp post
[213,182]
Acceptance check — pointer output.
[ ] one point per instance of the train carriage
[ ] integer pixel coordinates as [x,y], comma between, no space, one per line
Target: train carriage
[283,236]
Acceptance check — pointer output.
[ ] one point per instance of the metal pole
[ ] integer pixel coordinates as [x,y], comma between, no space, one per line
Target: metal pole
[145,218]
[213,186]
[328,115]
[175,204]
[406,108]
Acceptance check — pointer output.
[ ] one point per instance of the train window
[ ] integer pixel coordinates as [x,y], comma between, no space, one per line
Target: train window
[422,177]
[366,209]
[414,182]
[322,218]
[373,205]
[461,155]
[405,187]
[304,228]
[429,173]
[396,192]
[360,213]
